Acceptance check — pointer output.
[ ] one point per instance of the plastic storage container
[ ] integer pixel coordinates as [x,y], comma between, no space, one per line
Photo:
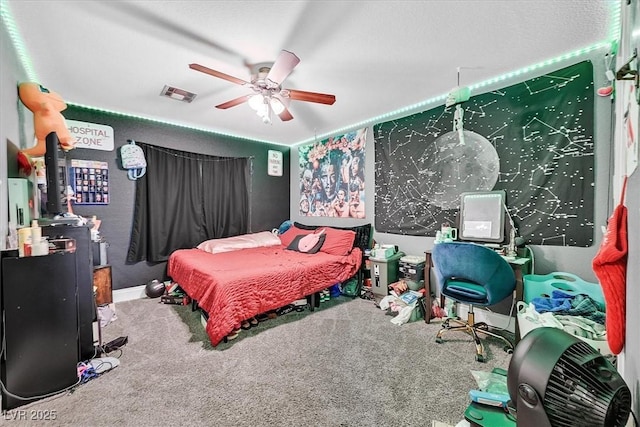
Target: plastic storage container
[543,286]
[412,267]
[384,271]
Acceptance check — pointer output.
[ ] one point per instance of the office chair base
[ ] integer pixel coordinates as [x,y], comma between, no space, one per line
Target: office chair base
[473,330]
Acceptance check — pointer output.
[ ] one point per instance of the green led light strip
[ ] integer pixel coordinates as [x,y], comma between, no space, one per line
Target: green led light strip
[7,19]
[16,38]
[183,126]
[614,35]
[416,108]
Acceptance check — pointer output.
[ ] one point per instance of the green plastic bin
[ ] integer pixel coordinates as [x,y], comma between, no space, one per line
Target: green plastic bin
[384,272]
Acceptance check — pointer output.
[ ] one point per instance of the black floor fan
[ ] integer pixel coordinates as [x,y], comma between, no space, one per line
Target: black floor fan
[557,380]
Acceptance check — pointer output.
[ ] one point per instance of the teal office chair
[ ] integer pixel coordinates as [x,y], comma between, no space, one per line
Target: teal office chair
[472,274]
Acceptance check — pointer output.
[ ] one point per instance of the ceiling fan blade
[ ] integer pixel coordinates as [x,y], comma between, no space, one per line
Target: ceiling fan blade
[218,74]
[233,102]
[285,115]
[320,98]
[284,65]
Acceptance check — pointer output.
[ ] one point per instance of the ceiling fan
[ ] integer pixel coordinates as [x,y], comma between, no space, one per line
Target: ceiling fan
[268,95]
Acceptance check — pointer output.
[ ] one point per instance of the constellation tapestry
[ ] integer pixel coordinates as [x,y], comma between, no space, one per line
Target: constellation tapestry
[332,176]
[533,139]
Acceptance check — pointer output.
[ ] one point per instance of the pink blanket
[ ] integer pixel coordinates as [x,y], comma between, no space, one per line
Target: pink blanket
[235,286]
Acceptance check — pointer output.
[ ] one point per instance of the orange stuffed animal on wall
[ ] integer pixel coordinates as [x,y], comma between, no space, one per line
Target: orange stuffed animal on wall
[46,107]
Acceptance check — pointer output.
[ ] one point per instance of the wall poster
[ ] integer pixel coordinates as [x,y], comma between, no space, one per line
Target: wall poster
[274,165]
[534,139]
[89,181]
[332,176]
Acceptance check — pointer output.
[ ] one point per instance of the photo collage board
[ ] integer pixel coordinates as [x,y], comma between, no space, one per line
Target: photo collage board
[89,181]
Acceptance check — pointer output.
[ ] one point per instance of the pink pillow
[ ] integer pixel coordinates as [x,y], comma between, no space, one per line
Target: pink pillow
[307,243]
[337,242]
[287,237]
[311,242]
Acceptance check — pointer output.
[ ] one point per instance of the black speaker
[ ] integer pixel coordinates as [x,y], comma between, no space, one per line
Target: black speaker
[54,190]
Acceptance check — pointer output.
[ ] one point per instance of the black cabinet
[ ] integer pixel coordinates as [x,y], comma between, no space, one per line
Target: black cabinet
[84,279]
[40,326]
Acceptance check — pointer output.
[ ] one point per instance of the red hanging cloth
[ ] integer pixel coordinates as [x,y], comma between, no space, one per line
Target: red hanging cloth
[610,267]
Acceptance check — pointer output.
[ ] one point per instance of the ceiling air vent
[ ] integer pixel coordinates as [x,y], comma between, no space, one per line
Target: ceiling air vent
[177,94]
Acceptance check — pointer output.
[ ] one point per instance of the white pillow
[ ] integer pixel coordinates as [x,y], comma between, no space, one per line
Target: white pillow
[251,240]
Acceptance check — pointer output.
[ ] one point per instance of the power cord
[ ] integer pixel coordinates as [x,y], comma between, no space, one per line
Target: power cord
[86,372]
[113,345]
[15,396]
[41,396]
[109,353]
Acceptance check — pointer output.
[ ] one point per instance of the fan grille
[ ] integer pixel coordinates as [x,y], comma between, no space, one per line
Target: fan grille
[585,390]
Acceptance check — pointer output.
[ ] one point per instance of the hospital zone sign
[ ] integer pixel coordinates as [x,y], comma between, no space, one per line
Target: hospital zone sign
[91,135]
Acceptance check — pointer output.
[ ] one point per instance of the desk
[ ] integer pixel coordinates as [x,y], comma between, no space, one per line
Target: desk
[520,265]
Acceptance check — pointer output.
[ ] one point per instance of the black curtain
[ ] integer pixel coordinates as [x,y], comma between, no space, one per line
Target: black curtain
[226,199]
[185,198]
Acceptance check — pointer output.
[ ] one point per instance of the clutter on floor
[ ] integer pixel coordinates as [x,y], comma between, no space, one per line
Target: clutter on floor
[95,367]
[104,364]
[174,294]
[115,344]
[297,306]
[406,300]
[171,293]
[564,301]
[106,314]
[490,401]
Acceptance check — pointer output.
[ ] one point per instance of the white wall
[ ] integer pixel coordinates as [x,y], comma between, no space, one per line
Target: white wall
[629,360]
[11,73]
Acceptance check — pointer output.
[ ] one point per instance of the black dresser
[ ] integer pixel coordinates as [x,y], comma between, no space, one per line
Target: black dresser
[40,326]
[84,278]
[48,310]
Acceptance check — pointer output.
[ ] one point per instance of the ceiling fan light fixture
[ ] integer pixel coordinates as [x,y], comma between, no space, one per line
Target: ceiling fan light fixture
[276,105]
[256,102]
[260,104]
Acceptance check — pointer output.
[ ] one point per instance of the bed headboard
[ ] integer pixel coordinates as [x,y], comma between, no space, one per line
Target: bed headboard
[363,233]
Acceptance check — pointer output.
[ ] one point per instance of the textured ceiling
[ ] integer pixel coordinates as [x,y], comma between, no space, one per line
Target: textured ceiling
[374,56]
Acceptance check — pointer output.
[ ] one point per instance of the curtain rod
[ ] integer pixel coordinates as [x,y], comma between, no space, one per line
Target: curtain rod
[167,149]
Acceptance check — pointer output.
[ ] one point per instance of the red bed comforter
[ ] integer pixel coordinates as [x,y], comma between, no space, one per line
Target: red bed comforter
[235,286]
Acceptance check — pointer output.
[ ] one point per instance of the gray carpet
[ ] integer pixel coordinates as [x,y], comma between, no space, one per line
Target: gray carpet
[345,364]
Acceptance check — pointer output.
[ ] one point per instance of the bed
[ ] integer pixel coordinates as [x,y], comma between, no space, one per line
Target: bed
[237,278]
